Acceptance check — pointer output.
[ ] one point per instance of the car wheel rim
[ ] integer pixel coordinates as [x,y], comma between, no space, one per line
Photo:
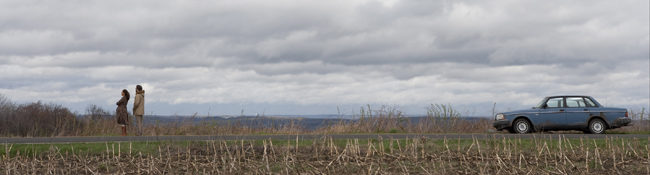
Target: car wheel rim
[597,127]
[522,127]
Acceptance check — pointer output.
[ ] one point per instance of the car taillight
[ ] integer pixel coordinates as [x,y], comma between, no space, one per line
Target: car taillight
[625,114]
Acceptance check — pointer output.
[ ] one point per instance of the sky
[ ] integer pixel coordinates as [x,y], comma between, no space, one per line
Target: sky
[304,57]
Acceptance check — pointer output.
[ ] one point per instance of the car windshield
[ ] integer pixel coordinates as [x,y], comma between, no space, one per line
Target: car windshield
[541,103]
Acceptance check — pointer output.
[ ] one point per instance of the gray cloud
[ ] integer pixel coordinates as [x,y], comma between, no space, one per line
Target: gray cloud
[325,53]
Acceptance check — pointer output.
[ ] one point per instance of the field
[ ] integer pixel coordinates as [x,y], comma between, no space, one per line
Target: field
[554,154]
[548,155]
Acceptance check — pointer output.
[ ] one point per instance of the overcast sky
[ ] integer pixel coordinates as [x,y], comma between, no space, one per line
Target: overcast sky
[308,57]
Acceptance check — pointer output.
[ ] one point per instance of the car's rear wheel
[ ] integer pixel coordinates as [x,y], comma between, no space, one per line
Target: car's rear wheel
[522,126]
[597,126]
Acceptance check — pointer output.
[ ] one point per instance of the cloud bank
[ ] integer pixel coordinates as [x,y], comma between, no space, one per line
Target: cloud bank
[308,57]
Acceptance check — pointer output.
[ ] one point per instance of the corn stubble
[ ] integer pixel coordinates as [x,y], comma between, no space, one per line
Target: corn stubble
[552,155]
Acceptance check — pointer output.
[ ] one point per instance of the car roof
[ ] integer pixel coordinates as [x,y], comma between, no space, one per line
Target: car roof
[568,96]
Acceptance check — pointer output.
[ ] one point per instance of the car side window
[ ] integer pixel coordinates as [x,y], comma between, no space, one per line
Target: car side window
[590,103]
[575,102]
[554,102]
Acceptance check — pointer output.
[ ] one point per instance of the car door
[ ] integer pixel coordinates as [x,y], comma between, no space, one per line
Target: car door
[577,113]
[551,116]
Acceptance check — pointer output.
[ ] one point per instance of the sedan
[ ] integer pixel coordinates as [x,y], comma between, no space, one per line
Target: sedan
[573,112]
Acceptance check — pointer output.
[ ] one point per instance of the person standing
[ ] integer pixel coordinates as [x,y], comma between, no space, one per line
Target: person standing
[121,114]
[138,108]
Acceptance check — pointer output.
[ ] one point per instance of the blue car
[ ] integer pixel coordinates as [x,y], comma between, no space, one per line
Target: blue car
[572,112]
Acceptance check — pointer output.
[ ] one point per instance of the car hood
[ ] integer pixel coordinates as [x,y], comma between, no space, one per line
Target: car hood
[520,111]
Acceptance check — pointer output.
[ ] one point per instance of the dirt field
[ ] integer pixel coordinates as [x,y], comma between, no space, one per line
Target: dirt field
[325,155]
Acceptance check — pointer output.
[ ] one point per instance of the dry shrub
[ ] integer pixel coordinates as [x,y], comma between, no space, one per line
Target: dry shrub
[47,120]
[98,121]
[445,119]
[387,119]
[36,119]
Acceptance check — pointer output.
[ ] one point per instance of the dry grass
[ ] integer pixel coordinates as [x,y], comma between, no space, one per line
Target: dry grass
[46,120]
[553,155]
[640,123]
[386,119]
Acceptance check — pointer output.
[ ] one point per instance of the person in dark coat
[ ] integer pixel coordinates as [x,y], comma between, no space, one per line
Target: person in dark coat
[121,114]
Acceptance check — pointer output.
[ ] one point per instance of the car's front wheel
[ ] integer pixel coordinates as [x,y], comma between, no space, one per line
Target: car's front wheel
[522,126]
[597,126]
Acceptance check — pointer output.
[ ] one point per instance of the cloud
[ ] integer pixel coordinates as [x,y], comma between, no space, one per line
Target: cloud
[302,54]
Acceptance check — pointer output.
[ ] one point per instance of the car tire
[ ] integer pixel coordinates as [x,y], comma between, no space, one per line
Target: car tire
[597,126]
[522,126]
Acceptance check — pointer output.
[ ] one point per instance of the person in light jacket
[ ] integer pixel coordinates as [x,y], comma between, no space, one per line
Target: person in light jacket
[121,114]
[138,107]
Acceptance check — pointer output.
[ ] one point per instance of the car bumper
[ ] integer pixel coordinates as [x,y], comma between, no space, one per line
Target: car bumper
[621,121]
[501,124]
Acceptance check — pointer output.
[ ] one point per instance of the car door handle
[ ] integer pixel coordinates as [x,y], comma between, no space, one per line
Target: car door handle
[561,110]
[585,109]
